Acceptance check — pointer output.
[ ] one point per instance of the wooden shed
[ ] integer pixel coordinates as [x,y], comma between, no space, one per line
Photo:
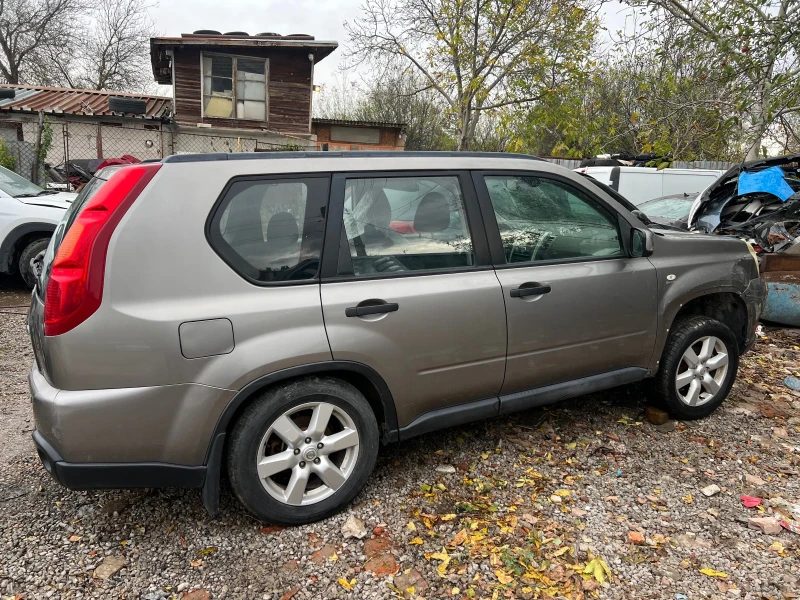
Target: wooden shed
[240,81]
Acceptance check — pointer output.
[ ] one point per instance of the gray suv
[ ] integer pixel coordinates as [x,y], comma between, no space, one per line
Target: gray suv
[277,317]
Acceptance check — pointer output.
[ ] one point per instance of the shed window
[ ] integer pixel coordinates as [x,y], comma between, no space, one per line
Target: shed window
[234,87]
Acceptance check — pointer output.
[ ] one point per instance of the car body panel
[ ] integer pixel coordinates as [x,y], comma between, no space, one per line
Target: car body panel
[446,345]
[122,371]
[599,316]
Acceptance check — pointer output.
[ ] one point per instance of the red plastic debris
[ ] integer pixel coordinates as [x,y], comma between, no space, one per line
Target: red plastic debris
[751,501]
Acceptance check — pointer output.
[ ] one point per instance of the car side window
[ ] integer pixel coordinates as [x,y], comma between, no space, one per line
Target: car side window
[398,224]
[271,230]
[542,219]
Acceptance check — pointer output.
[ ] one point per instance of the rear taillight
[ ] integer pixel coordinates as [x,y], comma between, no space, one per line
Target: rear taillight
[75,287]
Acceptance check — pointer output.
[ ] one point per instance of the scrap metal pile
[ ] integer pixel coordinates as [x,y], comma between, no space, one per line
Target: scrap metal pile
[758,201]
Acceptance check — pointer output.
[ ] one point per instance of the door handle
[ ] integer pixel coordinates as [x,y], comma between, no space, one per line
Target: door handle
[371,309]
[535,290]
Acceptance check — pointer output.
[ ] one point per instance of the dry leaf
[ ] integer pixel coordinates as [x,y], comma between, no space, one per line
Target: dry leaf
[416,541]
[196,563]
[74,538]
[445,558]
[713,573]
[459,539]
[502,577]
[348,585]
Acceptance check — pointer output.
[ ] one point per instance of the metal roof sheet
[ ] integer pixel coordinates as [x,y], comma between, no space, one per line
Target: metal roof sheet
[29,98]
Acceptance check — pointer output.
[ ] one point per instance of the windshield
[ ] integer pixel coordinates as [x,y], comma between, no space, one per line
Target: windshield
[17,186]
[670,207]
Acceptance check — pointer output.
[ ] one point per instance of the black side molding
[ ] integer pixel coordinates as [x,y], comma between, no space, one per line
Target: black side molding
[509,403]
[451,416]
[569,389]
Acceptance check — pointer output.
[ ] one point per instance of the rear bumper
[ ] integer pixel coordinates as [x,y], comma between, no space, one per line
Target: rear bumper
[170,424]
[94,476]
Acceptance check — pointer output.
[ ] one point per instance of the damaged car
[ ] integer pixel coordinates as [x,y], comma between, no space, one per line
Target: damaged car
[758,201]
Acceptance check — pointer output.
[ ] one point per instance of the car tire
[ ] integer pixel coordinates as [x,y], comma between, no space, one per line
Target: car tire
[270,456]
[30,252]
[693,391]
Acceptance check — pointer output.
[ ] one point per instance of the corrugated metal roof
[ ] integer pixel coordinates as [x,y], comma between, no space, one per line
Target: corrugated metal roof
[31,98]
[357,123]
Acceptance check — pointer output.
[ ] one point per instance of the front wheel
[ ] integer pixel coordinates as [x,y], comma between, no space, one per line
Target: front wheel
[30,260]
[697,368]
[303,450]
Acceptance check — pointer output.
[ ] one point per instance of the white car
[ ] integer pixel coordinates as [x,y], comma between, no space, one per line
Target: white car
[640,184]
[28,217]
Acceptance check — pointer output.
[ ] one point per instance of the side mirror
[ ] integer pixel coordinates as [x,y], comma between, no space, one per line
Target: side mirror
[641,242]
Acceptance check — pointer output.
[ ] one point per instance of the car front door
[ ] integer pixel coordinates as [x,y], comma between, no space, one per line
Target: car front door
[409,291]
[577,305]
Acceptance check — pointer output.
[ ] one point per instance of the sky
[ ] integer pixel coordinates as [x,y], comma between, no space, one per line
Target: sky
[323,19]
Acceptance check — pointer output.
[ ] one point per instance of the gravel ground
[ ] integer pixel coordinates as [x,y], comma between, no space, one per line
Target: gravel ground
[537,505]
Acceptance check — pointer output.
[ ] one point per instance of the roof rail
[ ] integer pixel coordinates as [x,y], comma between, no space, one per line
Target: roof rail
[183,158]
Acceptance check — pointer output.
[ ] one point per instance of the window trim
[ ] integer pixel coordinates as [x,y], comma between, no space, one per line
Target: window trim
[234,74]
[335,225]
[493,230]
[213,238]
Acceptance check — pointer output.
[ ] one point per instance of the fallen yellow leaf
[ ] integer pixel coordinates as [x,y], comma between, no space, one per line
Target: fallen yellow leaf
[562,493]
[445,558]
[416,541]
[196,563]
[688,499]
[503,577]
[713,573]
[411,526]
[449,517]
[348,585]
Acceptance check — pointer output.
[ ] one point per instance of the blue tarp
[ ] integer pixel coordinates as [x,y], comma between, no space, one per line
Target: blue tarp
[769,180]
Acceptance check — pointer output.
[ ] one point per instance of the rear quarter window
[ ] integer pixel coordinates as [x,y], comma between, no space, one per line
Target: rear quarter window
[270,230]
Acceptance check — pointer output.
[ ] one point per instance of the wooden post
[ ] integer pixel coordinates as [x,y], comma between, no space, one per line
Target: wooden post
[37,149]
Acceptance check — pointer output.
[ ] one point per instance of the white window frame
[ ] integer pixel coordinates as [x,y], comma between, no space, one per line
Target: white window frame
[233,58]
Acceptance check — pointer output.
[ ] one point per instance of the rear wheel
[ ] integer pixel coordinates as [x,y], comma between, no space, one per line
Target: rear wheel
[697,368]
[30,260]
[303,450]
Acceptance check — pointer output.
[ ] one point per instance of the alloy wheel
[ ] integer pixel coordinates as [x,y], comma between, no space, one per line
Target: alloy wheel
[307,453]
[701,371]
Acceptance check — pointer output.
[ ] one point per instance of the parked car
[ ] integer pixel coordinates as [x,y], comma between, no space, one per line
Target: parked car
[28,217]
[640,184]
[259,311]
[670,210]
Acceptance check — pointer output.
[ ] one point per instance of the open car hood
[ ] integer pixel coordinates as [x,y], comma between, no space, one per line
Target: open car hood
[58,200]
[752,215]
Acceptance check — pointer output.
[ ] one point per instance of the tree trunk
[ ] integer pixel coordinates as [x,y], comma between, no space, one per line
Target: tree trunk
[464,137]
[757,133]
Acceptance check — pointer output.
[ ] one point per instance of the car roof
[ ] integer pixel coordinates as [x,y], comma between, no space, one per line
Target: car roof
[220,156]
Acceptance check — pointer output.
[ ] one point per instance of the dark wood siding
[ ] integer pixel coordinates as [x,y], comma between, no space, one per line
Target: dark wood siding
[289,89]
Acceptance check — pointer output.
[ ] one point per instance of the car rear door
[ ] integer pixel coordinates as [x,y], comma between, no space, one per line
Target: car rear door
[577,305]
[412,294]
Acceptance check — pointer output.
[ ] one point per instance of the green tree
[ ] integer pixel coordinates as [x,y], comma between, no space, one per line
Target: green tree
[754,43]
[478,55]
[645,95]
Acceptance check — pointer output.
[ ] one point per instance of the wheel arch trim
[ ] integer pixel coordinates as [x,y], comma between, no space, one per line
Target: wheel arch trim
[389,426]
[9,243]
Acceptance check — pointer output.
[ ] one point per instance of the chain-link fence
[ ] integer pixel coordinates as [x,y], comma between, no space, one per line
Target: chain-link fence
[64,154]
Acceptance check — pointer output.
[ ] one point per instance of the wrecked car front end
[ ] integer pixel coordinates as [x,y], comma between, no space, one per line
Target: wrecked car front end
[759,202]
